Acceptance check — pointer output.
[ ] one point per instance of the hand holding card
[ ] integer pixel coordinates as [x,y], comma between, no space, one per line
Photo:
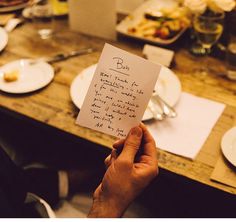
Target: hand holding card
[119,92]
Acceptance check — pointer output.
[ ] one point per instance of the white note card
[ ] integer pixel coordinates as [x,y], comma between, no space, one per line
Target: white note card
[158,55]
[119,92]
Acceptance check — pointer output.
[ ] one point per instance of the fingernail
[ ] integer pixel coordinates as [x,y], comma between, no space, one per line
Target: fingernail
[136,131]
[117,141]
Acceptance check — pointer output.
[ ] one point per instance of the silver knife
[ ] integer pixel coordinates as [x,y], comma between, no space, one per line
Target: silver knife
[62,56]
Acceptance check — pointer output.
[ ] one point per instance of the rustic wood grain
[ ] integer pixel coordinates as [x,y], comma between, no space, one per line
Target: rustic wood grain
[52,105]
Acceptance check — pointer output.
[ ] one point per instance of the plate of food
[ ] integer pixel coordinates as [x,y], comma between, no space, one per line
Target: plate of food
[156,21]
[168,87]
[23,76]
[12,5]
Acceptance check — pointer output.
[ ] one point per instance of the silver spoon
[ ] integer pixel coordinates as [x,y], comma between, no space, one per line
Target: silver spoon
[157,114]
[168,110]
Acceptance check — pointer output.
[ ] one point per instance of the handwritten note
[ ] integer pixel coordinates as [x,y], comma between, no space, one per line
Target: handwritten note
[119,92]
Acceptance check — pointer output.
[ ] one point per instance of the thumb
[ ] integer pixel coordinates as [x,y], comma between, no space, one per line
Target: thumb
[132,144]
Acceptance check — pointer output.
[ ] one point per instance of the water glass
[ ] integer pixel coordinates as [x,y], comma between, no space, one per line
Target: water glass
[42,12]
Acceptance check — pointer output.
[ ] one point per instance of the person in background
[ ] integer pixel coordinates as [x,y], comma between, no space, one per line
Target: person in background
[131,166]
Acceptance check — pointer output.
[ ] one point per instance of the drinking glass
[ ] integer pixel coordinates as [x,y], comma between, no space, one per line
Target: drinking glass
[42,12]
[208,29]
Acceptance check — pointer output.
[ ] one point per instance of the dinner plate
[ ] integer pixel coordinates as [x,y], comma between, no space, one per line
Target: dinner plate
[134,18]
[31,76]
[228,145]
[14,7]
[168,87]
[3,38]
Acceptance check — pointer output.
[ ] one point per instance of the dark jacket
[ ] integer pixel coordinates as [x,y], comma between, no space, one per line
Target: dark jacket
[15,183]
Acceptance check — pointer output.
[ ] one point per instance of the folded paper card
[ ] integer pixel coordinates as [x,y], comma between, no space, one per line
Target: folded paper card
[186,134]
[158,55]
[119,92]
[96,18]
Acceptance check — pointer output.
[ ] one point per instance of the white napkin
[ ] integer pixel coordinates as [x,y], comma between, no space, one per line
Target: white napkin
[186,134]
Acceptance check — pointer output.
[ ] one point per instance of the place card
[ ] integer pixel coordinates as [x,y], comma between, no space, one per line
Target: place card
[119,92]
[95,18]
[158,55]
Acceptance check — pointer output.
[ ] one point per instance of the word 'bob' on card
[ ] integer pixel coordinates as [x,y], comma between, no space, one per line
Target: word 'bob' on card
[119,92]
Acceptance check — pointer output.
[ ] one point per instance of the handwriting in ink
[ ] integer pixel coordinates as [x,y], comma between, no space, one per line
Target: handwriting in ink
[99,125]
[115,98]
[120,64]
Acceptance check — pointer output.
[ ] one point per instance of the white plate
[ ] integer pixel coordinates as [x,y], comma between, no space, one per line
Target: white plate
[27,13]
[31,77]
[135,17]
[168,87]
[14,7]
[228,145]
[3,38]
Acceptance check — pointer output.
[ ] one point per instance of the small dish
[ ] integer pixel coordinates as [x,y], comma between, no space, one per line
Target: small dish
[168,87]
[27,13]
[228,145]
[31,77]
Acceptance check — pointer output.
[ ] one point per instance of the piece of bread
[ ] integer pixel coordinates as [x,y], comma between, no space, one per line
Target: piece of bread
[11,76]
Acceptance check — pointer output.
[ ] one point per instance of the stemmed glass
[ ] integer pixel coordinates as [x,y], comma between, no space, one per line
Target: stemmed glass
[208,29]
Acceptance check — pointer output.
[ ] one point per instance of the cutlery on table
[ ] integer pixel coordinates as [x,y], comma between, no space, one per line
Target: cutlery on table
[12,23]
[155,110]
[62,56]
[168,110]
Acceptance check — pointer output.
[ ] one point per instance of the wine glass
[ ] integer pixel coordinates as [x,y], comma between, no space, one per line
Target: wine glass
[208,29]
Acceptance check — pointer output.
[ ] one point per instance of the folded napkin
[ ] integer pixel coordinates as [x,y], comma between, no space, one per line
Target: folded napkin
[186,134]
[224,172]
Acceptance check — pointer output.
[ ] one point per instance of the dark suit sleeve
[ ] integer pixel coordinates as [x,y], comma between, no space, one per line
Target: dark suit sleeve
[15,183]
[12,187]
[44,183]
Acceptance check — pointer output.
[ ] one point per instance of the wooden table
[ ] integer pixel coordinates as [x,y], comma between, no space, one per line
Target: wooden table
[53,106]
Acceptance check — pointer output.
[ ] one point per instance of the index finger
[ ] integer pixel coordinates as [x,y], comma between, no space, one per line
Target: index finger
[149,144]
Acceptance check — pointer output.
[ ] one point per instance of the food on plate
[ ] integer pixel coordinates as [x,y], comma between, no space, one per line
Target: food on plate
[11,76]
[160,24]
[6,3]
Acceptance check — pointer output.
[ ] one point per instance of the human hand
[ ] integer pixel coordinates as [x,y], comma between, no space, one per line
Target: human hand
[127,174]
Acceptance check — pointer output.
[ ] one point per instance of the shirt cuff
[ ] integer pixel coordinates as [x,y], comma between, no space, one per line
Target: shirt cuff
[63,184]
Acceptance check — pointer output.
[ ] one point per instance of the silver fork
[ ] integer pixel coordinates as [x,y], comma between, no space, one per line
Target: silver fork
[168,110]
[155,110]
